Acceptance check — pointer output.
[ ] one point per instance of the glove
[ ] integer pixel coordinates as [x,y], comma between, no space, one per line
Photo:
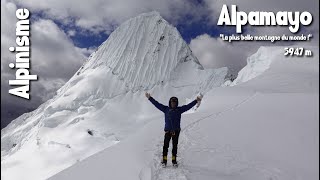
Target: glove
[148,95]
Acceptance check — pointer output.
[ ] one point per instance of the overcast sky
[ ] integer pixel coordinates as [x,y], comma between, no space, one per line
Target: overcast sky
[65,32]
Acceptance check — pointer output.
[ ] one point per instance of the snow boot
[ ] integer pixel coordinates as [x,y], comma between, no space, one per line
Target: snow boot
[164,161]
[174,161]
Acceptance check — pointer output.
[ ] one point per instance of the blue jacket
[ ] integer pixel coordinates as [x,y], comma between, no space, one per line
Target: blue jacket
[172,115]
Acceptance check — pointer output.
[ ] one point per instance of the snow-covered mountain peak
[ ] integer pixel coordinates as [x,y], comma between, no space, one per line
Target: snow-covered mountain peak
[142,52]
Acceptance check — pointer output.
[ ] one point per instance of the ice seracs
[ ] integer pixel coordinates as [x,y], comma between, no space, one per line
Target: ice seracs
[257,64]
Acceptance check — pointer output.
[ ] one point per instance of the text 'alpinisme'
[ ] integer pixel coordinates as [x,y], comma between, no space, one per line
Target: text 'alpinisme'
[22,63]
[256,18]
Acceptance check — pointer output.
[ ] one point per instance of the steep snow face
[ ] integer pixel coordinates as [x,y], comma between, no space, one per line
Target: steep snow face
[104,102]
[141,53]
[257,64]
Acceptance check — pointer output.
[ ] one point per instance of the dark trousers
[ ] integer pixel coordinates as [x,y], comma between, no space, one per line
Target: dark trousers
[175,138]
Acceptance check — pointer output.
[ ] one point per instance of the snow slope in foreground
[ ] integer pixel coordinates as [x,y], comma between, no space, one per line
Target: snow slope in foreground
[264,129]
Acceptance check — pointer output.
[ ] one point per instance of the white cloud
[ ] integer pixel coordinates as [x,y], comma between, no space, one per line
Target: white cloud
[87,51]
[214,53]
[98,16]
[54,58]
[71,33]
[52,50]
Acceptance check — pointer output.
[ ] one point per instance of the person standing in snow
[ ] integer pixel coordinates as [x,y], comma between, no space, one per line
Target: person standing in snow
[172,124]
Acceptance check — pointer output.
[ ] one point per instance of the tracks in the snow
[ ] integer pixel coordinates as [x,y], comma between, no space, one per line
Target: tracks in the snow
[217,114]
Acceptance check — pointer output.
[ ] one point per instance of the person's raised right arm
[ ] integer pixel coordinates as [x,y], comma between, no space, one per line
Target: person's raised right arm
[158,105]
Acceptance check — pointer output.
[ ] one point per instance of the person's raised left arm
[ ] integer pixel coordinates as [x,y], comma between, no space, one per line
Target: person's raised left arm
[185,108]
